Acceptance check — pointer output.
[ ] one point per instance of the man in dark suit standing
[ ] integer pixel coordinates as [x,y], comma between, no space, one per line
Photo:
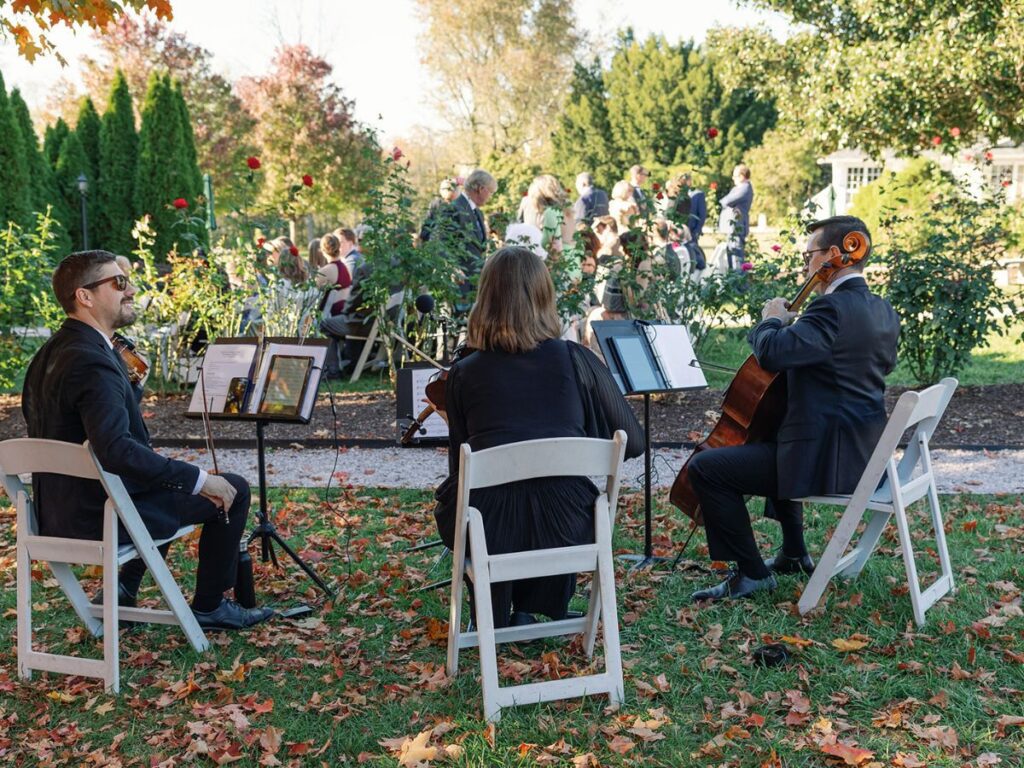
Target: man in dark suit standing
[835,357]
[698,208]
[77,389]
[592,201]
[462,225]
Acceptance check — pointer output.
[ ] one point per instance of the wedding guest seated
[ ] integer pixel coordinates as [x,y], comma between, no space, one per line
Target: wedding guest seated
[525,383]
[336,279]
[622,207]
[286,259]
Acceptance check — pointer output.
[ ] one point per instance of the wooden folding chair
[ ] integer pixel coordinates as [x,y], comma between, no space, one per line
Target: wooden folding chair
[904,483]
[523,461]
[24,456]
[394,301]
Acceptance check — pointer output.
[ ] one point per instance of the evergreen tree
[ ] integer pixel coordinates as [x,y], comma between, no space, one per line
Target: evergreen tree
[72,163]
[88,129]
[15,192]
[53,138]
[43,185]
[191,160]
[162,173]
[582,141]
[119,146]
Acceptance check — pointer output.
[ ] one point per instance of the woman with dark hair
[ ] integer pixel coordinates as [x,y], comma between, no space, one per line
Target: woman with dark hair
[523,382]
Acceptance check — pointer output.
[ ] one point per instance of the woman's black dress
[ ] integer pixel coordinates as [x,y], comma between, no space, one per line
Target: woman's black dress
[559,389]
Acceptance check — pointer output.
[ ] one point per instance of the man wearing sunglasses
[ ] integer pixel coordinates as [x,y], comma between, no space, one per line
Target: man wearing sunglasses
[835,357]
[77,389]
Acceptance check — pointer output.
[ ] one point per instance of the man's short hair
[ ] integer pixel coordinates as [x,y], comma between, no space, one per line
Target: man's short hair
[835,229]
[743,170]
[74,271]
[480,179]
[348,234]
[634,170]
[584,181]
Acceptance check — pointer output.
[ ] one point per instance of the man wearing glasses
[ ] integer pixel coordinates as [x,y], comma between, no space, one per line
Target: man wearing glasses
[835,357]
[77,389]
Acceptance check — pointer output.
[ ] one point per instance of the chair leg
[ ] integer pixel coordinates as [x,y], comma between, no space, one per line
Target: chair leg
[484,618]
[940,536]
[593,614]
[825,569]
[867,543]
[77,597]
[606,579]
[172,596]
[111,675]
[455,609]
[364,354]
[24,601]
[907,547]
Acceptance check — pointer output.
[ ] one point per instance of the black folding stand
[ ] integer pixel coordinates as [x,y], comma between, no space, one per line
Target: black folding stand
[606,330]
[265,530]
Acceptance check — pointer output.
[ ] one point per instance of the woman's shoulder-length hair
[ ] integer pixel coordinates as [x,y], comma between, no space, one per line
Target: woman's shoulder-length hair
[515,304]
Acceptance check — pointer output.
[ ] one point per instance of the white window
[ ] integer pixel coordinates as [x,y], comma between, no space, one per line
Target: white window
[858,176]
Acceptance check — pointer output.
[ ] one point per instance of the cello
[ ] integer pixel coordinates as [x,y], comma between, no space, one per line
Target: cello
[755,401]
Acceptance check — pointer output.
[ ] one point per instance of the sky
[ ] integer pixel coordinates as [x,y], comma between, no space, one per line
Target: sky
[372,45]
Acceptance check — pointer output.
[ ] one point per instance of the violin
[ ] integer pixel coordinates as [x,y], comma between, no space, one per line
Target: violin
[137,365]
[435,396]
[756,399]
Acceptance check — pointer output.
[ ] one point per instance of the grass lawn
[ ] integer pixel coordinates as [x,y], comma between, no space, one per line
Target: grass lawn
[365,674]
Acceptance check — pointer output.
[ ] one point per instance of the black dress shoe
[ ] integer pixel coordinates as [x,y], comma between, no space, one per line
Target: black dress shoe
[230,615]
[521,619]
[736,586]
[784,564]
[125,599]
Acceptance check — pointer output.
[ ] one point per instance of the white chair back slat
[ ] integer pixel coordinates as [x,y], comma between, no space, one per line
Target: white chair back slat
[541,458]
[24,455]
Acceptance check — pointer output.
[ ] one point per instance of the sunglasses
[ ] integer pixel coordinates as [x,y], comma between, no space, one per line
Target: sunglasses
[120,282]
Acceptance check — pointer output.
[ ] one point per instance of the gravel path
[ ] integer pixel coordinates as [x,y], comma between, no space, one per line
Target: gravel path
[958,471]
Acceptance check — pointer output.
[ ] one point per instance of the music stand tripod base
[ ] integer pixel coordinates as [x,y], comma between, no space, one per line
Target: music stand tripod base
[265,530]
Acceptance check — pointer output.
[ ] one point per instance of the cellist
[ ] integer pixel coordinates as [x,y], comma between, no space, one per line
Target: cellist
[835,357]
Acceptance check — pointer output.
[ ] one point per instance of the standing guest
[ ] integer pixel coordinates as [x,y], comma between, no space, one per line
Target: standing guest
[446,194]
[525,383]
[638,176]
[835,358]
[592,201]
[735,217]
[545,208]
[464,226]
[77,389]
[698,207]
[623,206]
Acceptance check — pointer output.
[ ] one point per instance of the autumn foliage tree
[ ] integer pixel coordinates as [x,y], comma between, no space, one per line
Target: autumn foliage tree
[304,126]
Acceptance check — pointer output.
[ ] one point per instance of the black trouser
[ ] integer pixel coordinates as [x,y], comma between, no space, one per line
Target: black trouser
[721,478]
[218,543]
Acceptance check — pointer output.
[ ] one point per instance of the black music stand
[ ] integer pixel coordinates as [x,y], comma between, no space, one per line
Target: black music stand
[265,530]
[642,366]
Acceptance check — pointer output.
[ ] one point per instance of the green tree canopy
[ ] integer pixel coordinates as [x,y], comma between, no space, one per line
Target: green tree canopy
[879,75]
[88,129]
[15,200]
[72,163]
[787,174]
[118,156]
[53,138]
[582,141]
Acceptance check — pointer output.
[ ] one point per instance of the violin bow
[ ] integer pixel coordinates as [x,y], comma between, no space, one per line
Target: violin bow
[209,432]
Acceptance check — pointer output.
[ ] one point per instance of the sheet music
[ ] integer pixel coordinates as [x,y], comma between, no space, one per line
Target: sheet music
[434,425]
[221,364]
[317,352]
[674,352]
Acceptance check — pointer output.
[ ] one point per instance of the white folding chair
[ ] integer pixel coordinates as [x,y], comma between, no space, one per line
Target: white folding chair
[395,300]
[905,482]
[24,456]
[523,461]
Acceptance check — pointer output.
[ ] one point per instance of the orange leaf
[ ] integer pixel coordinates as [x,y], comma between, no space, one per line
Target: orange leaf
[849,754]
[620,744]
[845,645]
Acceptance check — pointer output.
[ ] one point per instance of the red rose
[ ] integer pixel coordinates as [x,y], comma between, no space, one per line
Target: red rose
[776,247]
[660,195]
[293,250]
[936,140]
[988,155]
[307,180]
[525,193]
[712,132]
[954,131]
[1006,182]
[746,266]
[396,154]
[655,186]
[260,242]
[253,163]
[180,203]
[713,186]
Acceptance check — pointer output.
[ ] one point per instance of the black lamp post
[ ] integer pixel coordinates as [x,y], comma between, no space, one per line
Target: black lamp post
[83,190]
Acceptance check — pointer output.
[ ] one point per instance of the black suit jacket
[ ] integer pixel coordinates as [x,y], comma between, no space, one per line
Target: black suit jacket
[836,356]
[77,389]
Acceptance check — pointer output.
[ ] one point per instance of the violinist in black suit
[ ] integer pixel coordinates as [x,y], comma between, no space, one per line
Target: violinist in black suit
[77,389]
[836,356]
